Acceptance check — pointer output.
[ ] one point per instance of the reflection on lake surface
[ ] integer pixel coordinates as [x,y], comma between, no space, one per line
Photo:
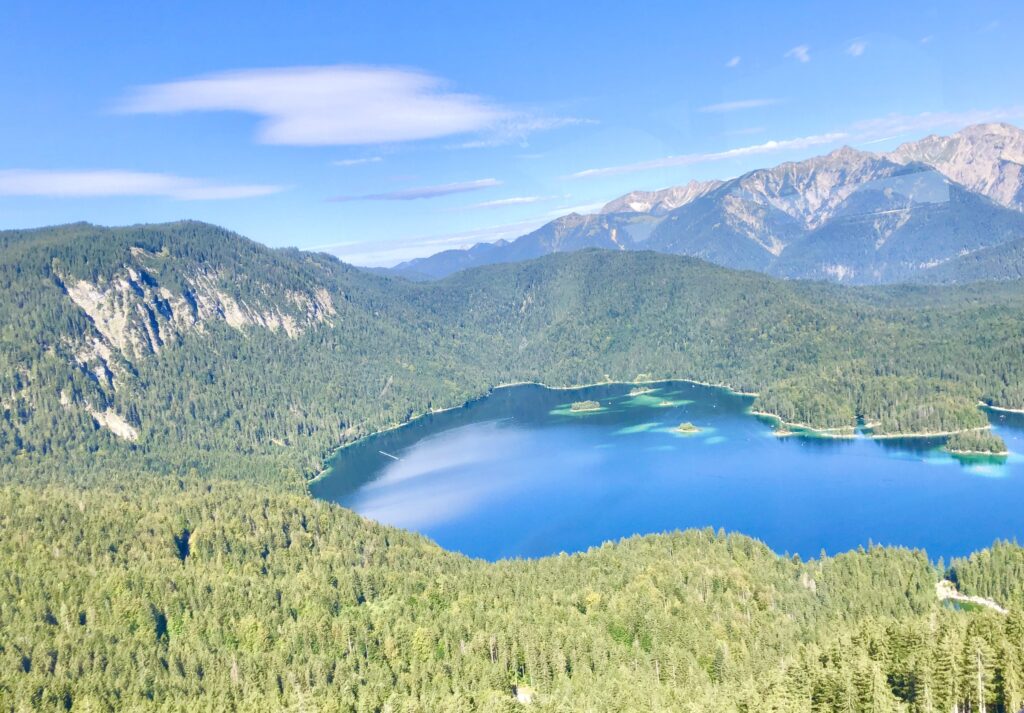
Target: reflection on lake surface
[519,474]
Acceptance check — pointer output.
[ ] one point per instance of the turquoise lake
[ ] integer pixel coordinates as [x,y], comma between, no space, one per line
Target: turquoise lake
[517,474]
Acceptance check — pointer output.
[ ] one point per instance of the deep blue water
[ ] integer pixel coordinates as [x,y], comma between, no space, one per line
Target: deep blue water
[517,474]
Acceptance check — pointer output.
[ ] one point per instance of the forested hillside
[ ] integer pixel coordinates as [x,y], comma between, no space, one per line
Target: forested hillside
[1002,262]
[184,595]
[187,347]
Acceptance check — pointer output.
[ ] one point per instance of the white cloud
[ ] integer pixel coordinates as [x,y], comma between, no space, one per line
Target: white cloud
[343,105]
[695,158]
[856,48]
[95,184]
[357,161]
[740,105]
[734,62]
[410,194]
[801,53]
[333,105]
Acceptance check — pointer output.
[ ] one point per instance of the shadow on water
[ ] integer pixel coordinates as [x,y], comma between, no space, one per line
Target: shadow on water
[912,446]
[1007,419]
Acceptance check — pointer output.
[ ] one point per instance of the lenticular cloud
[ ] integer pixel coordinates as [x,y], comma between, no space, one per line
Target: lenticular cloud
[335,105]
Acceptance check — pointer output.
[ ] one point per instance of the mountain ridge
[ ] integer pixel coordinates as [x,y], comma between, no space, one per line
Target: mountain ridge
[749,222]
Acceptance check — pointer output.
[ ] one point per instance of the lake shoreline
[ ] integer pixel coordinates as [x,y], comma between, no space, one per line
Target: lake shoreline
[960,452]
[806,429]
[325,470]
[931,434]
[1001,409]
[725,387]
[508,385]
[802,428]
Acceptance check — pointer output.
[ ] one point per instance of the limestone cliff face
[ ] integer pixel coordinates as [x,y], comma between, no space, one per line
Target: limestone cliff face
[135,315]
[985,158]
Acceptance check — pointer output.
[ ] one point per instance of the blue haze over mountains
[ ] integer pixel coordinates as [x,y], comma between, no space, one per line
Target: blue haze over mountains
[942,209]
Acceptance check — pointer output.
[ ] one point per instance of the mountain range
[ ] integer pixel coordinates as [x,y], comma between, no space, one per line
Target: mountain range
[930,208]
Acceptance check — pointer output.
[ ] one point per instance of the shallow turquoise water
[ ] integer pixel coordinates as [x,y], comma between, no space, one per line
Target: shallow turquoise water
[518,474]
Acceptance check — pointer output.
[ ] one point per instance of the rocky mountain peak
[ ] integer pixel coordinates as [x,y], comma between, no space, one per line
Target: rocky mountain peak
[661,201]
[984,158]
[809,191]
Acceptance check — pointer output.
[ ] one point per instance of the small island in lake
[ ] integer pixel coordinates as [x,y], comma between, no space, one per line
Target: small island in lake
[687,427]
[578,406]
[980,443]
[640,391]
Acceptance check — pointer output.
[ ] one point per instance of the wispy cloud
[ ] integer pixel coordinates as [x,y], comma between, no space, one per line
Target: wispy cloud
[734,62]
[895,124]
[695,158]
[411,194]
[879,140]
[859,133]
[514,200]
[516,130]
[740,105]
[334,105]
[856,48]
[801,53]
[95,184]
[391,252]
[357,161]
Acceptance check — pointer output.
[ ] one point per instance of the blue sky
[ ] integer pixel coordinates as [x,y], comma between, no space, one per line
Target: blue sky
[384,130]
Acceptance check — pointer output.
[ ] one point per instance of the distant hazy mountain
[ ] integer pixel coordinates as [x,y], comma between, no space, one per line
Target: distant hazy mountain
[617,231]
[849,216]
